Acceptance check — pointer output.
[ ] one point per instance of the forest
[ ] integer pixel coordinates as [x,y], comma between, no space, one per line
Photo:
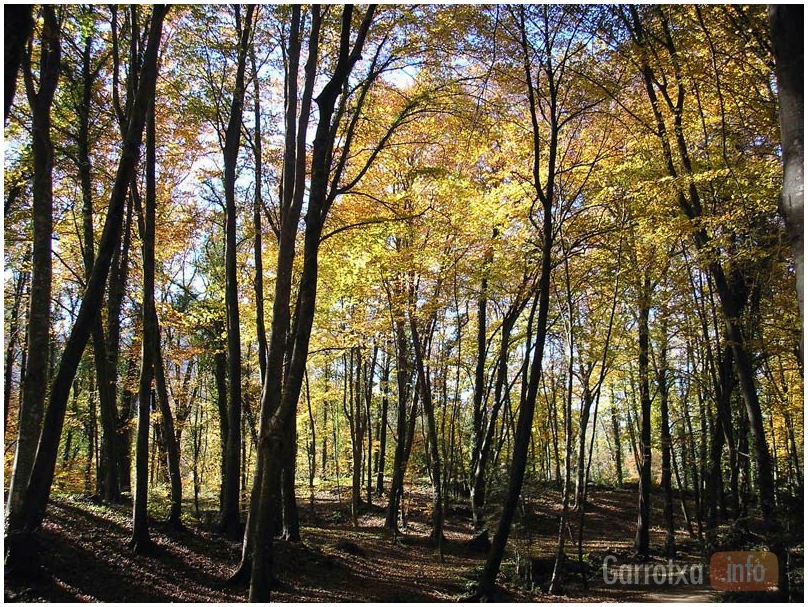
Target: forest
[400,302]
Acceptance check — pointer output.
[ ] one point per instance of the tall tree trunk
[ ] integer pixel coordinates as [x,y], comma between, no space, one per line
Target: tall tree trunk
[555,581]
[618,445]
[644,507]
[352,406]
[220,377]
[35,501]
[665,439]
[119,273]
[545,194]
[296,350]
[35,383]
[141,542]
[263,502]
[403,375]
[119,265]
[580,469]
[787,32]
[231,518]
[481,465]
[125,432]
[436,535]
[108,485]
[311,447]
[151,324]
[169,435]
[381,435]
[258,203]
[370,371]
[478,420]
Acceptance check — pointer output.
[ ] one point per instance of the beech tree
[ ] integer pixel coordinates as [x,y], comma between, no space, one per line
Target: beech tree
[28,516]
[34,389]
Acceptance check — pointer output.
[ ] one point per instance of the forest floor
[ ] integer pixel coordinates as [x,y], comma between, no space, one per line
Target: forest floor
[84,555]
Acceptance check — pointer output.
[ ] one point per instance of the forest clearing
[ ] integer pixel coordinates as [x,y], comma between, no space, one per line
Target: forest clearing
[403,303]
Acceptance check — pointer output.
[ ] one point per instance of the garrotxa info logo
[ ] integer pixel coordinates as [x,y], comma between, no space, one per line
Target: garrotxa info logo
[744,571]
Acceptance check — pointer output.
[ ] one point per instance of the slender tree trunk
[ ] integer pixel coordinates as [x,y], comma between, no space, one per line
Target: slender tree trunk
[382,433]
[264,499]
[787,34]
[117,288]
[34,386]
[258,283]
[479,426]
[479,470]
[436,535]
[90,429]
[723,433]
[141,541]
[555,582]
[119,265]
[231,511]
[295,351]
[682,497]
[37,494]
[311,447]
[353,412]
[220,377]
[618,445]
[370,371]
[545,194]
[641,539]
[580,469]
[169,435]
[108,485]
[127,412]
[665,439]
[403,375]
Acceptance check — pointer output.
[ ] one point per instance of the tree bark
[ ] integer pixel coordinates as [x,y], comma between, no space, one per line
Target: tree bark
[141,541]
[35,383]
[403,376]
[787,33]
[665,439]
[295,351]
[258,282]
[382,432]
[231,492]
[641,538]
[169,435]
[545,193]
[425,388]
[37,493]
